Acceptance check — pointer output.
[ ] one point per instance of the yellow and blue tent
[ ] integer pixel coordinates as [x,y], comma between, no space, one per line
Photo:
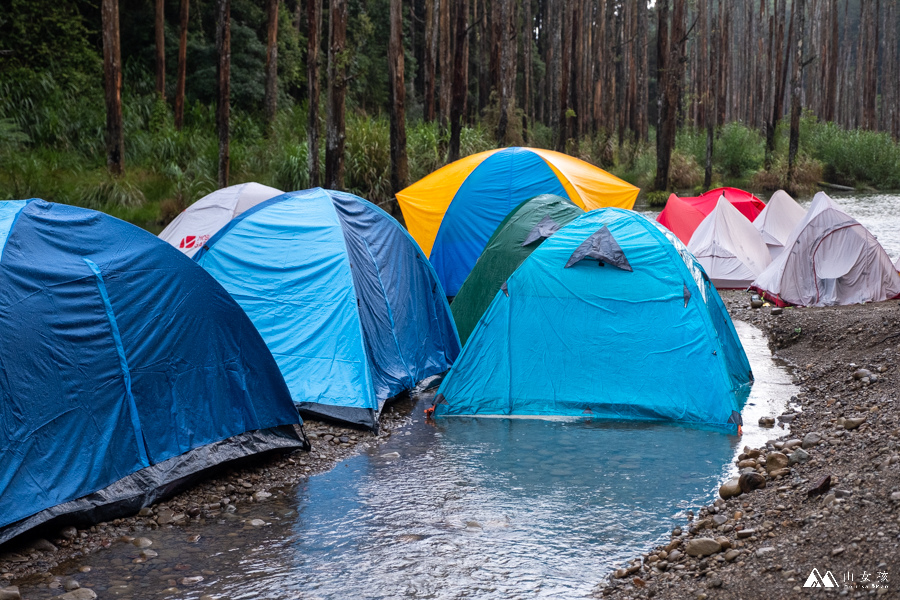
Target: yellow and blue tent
[453,212]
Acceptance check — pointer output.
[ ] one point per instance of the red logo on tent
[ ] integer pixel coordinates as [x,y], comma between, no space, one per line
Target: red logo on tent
[192,241]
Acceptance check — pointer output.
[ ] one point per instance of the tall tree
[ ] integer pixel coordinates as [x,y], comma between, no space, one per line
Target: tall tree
[459,79]
[796,90]
[399,164]
[271,60]
[314,27]
[527,66]
[112,81]
[160,31]
[506,96]
[182,63]
[431,48]
[444,52]
[780,74]
[223,75]
[335,126]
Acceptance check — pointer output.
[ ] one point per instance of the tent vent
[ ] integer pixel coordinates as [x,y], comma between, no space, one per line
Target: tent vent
[687,296]
[602,247]
[543,230]
[505,289]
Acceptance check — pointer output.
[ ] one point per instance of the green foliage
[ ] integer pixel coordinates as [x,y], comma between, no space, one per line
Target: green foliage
[738,151]
[657,198]
[855,157]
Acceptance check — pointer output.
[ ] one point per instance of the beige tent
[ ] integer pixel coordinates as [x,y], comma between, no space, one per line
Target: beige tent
[829,259]
[777,221]
[202,219]
[729,247]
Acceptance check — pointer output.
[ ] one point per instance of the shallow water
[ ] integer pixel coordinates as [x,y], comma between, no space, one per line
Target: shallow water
[465,508]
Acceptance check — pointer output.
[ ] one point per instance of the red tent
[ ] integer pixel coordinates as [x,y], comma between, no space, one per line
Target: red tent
[683,215]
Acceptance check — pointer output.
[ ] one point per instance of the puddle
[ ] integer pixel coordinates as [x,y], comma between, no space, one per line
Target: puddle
[466,508]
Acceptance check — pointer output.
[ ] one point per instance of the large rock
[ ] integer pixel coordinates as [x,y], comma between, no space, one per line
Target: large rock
[10,593]
[703,547]
[775,461]
[811,439]
[730,489]
[79,594]
[798,456]
[853,423]
[751,481]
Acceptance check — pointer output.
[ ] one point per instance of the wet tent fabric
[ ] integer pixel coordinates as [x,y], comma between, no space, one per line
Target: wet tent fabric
[682,216]
[452,212]
[829,259]
[595,341]
[729,248]
[124,370]
[514,240]
[345,300]
[777,220]
[202,219]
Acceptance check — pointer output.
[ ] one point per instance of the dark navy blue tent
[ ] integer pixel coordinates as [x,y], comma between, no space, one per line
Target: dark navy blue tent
[347,303]
[125,370]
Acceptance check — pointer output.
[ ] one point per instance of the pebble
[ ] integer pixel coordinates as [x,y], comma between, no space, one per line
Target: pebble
[391,455]
[745,533]
[895,496]
[837,551]
[71,585]
[853,423]
[143,542]
[764,551]
[191,580]
[702,547]
[811,439]
[10,593]
[42,545]
[165,516]
[777,310]
[79,594]
[775,461]
[257,523]
[69,533]
[862,373]
[730,489]
[260,496]
[767,421]
[820,487]
[732,554]
[798,456]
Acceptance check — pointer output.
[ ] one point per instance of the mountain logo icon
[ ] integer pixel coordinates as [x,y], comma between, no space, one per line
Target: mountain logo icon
[815,580]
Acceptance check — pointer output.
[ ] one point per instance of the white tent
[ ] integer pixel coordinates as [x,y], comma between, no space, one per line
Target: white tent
[729,248]
[777,221]
[829,259]
[202,219]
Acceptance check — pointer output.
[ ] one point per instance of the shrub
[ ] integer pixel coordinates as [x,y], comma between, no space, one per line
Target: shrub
[738,150]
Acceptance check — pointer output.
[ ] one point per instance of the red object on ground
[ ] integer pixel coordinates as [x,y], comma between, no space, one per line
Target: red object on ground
[683,215]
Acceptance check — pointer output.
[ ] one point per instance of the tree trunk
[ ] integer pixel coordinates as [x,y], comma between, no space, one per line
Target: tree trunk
[399,165]
[272,61]
[503,92]
[223,75]
[335,129]
[112,81]
[431,21]
[182,64]
[780,74]
[483,53]
[663,152]
[160,31]
[527,34]
[796,85]
[565,68]
[459,79]
[446,74]
[709,100]
[643,66]
[314,25]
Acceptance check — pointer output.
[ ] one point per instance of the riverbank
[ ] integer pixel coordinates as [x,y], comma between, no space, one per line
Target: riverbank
[831,499]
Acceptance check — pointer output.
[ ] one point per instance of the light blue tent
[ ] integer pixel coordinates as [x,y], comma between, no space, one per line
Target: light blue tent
[347,303]
[611,318]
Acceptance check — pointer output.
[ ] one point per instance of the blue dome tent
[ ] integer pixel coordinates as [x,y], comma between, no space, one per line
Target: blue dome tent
[347,303]
[125,370]
[611,318]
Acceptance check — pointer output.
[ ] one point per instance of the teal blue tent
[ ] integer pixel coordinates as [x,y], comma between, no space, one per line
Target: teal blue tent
[611,318]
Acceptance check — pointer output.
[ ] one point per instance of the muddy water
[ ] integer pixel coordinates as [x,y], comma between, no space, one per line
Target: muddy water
[465,508]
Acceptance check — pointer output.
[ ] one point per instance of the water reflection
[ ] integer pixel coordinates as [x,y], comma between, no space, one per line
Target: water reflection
[465,508]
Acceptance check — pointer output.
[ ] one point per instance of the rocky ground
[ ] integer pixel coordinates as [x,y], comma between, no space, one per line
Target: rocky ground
[825,496]
[256,481]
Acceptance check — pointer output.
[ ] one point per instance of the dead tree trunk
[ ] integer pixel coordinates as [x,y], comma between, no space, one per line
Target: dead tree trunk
[182,64]
[272,61]
[459,79]
[223,75]
[314,26]
[112,81]
[796,90]
[335,127]
[160,30]
[399,165]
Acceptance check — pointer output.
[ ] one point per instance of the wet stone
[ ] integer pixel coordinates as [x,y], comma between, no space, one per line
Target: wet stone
[79,594]
[143,542]
[10,593]
[188,581]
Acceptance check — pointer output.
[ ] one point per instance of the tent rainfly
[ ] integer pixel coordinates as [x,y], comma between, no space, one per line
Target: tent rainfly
[777,220]
[347,303]
[683,215]
[729,247]
[452,212]
[829,259]
[202,219]
[591,322]
[127,370]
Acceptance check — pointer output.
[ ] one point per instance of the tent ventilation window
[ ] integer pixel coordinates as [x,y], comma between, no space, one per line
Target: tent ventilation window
[543,230]
[602,247]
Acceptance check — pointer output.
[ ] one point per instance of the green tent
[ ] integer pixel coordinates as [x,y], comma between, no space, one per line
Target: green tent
[523,230]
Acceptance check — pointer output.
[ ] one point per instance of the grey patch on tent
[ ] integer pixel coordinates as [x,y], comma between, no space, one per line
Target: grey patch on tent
[439,399]
[687,296]
[602,247]
[125,497]
[735,418]
[543,230]
[505,289]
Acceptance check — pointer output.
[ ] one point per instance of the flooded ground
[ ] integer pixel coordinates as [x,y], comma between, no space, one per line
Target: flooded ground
[464,508]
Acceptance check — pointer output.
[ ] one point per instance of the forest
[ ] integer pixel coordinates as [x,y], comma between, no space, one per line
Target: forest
[140,107]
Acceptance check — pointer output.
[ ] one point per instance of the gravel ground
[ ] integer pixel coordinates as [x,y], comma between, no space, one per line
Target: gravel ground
[831,495]
[831,499]
[256,481]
